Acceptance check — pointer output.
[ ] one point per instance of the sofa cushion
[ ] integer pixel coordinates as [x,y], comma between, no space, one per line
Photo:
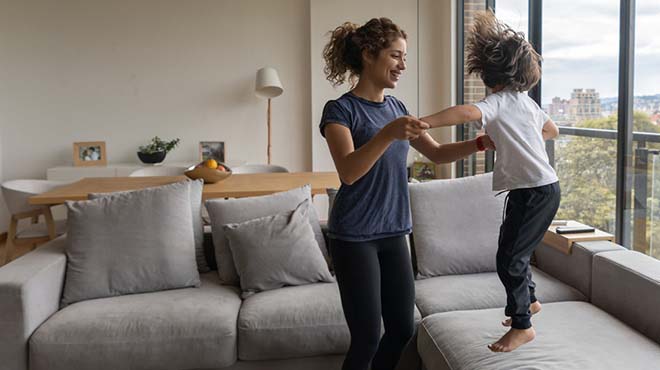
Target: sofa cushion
[174,329]
[484,290]
[196,189]
[569,335]
[131,242]
[329,362]
[627,285]
[298,321]
[290,322]
[227,211]
[276,251]
[455,225]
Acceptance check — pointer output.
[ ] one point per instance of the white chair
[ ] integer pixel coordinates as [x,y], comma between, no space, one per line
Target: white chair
[16,194]
[258,168]
[159,171]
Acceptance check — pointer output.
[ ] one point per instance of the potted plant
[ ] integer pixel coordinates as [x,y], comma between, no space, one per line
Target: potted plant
[156,150]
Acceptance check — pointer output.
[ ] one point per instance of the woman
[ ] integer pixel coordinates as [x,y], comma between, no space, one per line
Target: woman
[368,134]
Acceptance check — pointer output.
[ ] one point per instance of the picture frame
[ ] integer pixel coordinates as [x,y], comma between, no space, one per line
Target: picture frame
[423,171]
[212,150]
[89,153]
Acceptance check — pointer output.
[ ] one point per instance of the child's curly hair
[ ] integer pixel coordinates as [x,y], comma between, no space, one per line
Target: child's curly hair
[500,55]
[343,53]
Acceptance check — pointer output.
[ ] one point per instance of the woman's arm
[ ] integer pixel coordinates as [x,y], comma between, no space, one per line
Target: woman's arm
[453,116]
[352,164]
[447,153]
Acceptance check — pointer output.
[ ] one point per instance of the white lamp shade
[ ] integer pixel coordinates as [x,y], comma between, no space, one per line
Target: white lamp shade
[268,83]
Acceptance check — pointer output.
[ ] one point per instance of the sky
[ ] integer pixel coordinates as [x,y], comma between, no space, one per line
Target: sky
[581,44]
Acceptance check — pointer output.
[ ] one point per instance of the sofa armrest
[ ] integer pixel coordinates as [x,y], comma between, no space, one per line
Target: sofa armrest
[574,269]
[30,291]
[626,284]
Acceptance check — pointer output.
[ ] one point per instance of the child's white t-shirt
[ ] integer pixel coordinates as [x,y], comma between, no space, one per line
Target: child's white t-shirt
[515,122]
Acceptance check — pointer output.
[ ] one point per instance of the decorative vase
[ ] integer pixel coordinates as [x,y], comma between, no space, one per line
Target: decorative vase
[152,158]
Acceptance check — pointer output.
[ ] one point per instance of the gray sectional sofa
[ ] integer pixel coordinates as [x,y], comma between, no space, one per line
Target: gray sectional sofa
[600,307]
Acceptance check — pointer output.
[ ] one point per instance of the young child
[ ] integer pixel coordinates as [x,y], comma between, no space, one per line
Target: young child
[509,66]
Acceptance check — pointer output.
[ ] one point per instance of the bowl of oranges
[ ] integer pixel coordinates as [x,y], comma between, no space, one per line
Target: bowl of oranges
[210,170]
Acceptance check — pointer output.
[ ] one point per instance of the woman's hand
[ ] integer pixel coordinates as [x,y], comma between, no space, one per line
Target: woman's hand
[405,128]
[488,143]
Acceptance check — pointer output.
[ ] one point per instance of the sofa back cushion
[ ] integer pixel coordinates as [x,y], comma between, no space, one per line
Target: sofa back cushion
[132,242]
[455,225]
[626,284]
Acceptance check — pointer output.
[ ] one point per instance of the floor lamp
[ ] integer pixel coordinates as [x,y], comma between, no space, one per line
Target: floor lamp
[268,86]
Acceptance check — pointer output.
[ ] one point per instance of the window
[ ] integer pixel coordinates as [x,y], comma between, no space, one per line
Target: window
[580,50]
[646,139]
[608,153]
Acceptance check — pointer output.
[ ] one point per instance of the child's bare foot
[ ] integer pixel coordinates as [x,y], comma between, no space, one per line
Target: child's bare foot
[534,308]
[513,339]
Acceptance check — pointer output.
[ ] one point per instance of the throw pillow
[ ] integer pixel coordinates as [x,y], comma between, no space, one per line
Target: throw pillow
[227,211]
[276,251]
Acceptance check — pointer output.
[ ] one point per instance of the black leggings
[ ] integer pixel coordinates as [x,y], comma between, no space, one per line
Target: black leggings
[375,280]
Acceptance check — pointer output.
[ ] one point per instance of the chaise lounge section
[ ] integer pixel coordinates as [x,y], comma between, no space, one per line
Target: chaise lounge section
[616,329]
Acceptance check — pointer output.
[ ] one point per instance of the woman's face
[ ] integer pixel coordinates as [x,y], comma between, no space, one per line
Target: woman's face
[386,69]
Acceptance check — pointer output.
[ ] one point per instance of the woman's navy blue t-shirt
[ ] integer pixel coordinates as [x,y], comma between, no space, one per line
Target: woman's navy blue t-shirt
[377,205]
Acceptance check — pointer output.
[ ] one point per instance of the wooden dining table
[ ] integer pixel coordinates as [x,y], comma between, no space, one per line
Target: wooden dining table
[235,186]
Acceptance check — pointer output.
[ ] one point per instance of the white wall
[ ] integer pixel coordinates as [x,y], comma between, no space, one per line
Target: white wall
[437,55]
[124,71]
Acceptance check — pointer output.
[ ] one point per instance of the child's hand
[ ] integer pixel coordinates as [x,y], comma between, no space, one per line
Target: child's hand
[488,143]
[405,128]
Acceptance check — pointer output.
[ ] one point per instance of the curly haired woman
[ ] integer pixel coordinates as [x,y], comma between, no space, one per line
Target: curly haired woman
[369,134]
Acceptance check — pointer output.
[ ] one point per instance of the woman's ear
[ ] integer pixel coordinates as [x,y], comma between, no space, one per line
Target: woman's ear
[367,58]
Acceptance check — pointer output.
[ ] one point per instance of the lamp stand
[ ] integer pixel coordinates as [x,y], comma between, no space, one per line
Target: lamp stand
[269,146]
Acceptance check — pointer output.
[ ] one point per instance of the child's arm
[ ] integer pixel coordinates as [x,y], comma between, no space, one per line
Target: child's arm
[453,116]
[550,130]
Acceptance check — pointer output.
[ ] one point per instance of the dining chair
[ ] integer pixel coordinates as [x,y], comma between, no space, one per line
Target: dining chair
[16,194]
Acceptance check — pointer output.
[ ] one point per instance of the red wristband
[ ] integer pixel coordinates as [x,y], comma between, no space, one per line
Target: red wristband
[480,144]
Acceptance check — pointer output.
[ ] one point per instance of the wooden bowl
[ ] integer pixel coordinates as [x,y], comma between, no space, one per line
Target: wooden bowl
[209,175]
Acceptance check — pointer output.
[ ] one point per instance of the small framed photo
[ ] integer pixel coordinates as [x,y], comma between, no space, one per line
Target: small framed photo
[423,171]
[89,153]
[212,150]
